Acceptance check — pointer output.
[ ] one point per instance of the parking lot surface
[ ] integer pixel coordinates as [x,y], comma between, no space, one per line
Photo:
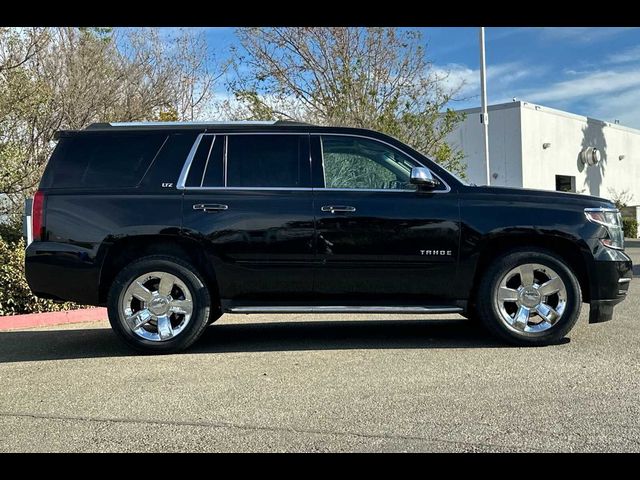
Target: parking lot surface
[326,383]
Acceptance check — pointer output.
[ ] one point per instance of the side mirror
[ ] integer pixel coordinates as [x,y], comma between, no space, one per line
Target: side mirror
[423,177]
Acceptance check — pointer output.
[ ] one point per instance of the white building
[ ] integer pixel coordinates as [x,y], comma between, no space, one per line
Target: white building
[533,146]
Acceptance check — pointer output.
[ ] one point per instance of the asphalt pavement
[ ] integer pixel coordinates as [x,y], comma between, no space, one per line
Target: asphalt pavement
[284,383]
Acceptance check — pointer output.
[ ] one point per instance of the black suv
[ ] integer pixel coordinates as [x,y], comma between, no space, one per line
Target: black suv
[170,225]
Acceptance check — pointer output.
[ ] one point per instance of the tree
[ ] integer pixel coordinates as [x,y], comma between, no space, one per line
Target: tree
[20,95]
[376,78]
[621,199]
[68,78]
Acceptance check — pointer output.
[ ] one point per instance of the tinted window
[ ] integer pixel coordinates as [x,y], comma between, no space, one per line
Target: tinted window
[167,165]
[102,160]
[351,162]
[265,161]
[199,161]
[214,175]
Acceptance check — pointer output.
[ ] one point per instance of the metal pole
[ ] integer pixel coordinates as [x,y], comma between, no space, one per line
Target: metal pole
[484,116]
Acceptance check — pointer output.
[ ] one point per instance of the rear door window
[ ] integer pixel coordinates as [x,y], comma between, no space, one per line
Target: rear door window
[267,161]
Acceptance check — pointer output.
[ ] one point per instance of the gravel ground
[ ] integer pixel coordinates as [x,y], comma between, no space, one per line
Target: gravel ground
[325,383]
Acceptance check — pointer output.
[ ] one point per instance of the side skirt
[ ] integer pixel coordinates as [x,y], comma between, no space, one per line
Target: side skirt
[343,309]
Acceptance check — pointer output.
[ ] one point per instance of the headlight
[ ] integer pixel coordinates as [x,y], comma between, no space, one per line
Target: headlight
[611,219]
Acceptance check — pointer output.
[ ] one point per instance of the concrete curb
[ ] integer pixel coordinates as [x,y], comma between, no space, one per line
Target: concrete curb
[15,322]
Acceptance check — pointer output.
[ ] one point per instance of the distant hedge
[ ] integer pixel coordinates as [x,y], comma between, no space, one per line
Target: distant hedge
[630,227]
[15,296]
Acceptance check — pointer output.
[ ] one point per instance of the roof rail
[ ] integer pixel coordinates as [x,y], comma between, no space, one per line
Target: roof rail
[107,125]
[290,122]
[103,125]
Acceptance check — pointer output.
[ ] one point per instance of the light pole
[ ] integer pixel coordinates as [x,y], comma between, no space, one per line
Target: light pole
[484,116]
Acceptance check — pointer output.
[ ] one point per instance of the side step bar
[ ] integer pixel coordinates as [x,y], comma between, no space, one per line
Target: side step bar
[345,309]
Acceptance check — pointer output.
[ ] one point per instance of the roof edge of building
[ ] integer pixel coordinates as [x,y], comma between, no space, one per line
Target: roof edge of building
[554,111]
[497,106]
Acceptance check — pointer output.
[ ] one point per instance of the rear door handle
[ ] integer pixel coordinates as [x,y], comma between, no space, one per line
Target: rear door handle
[338,208]
[210,207]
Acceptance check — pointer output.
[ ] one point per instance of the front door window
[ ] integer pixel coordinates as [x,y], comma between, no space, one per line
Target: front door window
[359,163]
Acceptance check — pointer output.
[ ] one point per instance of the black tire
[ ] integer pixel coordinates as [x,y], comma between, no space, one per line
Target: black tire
[487,307]
[186,273]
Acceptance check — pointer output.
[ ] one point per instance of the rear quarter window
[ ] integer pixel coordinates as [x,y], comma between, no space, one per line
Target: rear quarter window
[101,160]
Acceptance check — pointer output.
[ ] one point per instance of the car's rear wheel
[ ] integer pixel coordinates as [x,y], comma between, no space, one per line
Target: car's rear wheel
[529,297]
[159,304]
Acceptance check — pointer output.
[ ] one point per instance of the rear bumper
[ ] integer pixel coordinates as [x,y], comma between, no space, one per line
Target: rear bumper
[611,276]
[61,271]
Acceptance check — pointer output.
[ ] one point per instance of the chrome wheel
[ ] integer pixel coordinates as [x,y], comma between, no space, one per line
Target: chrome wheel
[530,298]
[157,306]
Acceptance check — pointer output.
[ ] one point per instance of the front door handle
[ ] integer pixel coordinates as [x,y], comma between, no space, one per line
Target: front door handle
[338,209]
[210,207]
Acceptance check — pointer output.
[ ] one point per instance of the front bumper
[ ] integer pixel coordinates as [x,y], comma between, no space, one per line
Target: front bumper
[602,310]
[610,275]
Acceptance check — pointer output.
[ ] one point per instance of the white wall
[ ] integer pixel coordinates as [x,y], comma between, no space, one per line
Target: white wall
[505,150]
[517,131]
[568,135]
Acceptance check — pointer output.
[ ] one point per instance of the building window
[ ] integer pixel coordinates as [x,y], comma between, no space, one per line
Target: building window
[565,183]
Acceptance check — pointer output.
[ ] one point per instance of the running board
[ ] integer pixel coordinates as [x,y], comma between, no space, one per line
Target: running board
[344,309]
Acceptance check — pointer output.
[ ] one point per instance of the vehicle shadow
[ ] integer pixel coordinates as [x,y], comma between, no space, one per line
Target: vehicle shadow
[26,345]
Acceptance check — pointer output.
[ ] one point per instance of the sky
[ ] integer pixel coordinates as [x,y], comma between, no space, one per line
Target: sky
[591,71]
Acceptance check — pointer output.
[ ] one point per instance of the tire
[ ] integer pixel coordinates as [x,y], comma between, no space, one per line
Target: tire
[506,318]
[168,328]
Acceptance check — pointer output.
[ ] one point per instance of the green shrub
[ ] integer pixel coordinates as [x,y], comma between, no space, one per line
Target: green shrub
[11,231]
[15,295]
[630,227]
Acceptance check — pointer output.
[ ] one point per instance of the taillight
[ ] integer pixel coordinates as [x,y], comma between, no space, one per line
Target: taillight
[37,216]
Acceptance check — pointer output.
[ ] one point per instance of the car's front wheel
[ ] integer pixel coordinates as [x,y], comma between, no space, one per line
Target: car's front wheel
[529,297]
[159,304]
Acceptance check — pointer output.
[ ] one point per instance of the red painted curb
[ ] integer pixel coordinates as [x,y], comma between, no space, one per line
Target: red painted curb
[13,322]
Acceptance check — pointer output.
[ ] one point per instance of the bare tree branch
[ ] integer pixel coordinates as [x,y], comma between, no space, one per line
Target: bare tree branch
[371,77]
[67,78]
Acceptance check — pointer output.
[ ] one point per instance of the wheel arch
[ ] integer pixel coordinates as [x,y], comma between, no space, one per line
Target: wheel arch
[565,248]
[123,251]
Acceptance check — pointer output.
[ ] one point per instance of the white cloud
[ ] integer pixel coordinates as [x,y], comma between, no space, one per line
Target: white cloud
[622,106]
[589,84]
[630,55]
[604,94]
[507,73]
[499,77]
[454,76]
